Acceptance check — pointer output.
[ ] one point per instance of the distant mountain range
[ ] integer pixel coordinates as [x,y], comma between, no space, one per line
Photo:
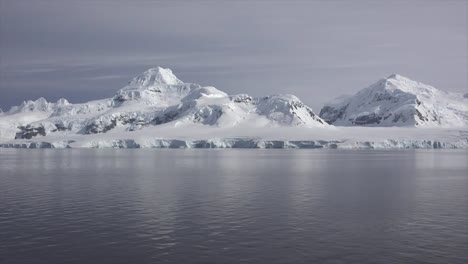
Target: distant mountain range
[158,99]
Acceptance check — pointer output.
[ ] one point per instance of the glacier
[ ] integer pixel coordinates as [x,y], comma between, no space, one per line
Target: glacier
[158,110]
[280,138]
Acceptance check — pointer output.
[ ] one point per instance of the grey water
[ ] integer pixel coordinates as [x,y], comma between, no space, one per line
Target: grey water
[233,206]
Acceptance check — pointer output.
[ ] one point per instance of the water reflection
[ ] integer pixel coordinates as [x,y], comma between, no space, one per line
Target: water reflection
[231,206]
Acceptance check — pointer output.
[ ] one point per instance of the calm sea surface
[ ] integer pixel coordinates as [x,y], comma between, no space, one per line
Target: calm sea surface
[233,206]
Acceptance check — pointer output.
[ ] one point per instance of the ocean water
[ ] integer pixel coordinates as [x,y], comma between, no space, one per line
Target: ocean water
[233,206]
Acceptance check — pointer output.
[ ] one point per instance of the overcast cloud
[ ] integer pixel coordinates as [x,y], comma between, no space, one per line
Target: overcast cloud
[83,49]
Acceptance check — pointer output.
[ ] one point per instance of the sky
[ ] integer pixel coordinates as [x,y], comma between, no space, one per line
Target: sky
[88,49]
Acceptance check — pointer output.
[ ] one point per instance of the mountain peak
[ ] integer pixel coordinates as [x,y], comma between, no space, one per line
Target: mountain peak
[62,101]
[405,84]
[396,79]
[156,76]
[396,76]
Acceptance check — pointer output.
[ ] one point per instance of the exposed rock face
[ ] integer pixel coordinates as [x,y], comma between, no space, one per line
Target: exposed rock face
[29,132]
[330,113]
[398,101]
[242,98]
[39,129]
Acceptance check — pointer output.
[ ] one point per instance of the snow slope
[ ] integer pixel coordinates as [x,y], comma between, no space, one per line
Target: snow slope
[398,101]
[26,113]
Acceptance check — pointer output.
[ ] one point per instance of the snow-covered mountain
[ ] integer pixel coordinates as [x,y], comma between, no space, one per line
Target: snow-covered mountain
[155,98]
[156,109]
[398,101]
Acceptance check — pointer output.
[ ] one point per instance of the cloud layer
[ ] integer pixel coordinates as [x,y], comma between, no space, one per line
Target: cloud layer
[87,49]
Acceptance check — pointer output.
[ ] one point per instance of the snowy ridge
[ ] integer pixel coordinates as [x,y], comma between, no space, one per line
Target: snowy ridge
[398,101]
[40,105]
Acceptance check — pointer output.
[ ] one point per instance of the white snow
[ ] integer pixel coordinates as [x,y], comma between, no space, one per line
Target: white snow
[398,101]
[9,123]
[156,109]
[154,77]
[40,105]
[201,136]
